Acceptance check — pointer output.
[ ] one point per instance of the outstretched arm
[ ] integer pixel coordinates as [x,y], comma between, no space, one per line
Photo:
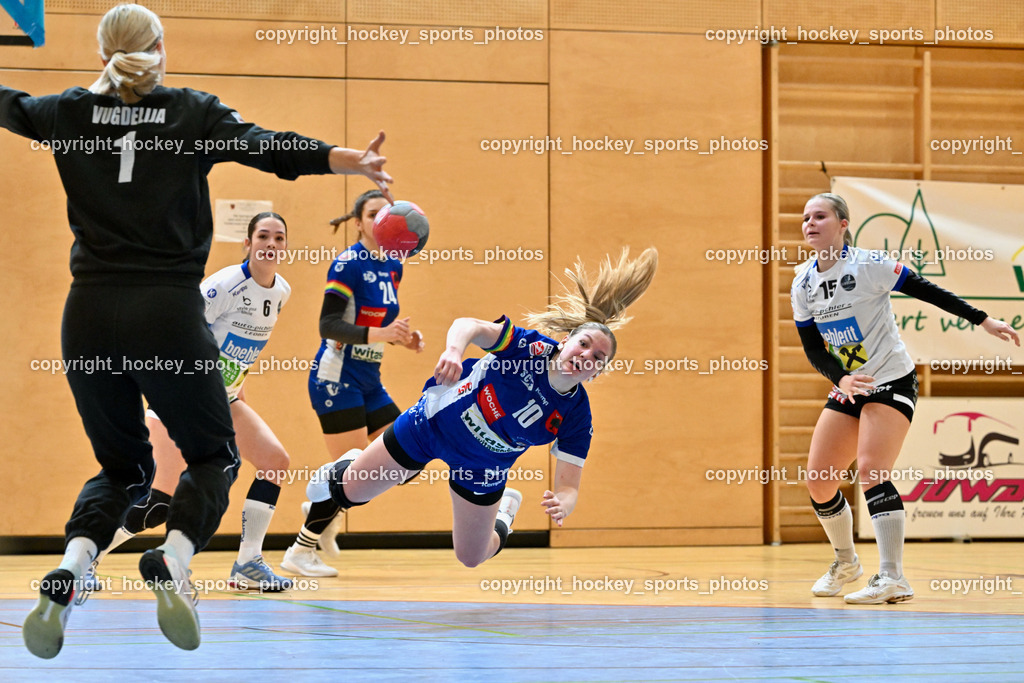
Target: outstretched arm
[462,333]
[998,328]
[367,163]
[560,502]
[920,288]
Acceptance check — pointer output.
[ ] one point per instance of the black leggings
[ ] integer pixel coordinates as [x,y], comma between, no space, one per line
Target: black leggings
[152,341]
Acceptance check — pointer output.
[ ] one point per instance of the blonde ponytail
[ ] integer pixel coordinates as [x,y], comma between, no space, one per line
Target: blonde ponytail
[128,36]
[602,303]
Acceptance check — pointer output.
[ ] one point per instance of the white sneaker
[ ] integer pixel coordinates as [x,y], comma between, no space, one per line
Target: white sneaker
[838,575]
[175,597]
[509,506]
[882,588]
[301,560]
[318,489]
[90,584]
[329,538]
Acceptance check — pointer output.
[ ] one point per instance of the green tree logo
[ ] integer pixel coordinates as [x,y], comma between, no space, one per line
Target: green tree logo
[915,235]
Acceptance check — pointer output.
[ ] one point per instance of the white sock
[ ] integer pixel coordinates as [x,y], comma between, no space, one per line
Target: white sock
[506,518]
[179,546]
[889,536]
[256,518]
[120,537]
[79,555]
[839,529]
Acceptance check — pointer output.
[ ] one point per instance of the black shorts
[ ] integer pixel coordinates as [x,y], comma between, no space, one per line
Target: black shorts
[349,419]
[900,394]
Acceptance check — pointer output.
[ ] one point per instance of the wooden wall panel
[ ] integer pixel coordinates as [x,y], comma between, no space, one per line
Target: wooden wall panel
[859,15]
[198,46]
[1005,21]
[648,462]
[477,201]
[450,54]
[640,73]
[46,456]
[305,10]
[531,13]
[280,397]
[672,16]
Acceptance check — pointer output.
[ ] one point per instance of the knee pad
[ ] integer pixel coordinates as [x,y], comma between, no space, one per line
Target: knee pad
[148,514]
[337,488]
[502,530]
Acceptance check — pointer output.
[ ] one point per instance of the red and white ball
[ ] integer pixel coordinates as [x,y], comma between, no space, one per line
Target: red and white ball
[401,230]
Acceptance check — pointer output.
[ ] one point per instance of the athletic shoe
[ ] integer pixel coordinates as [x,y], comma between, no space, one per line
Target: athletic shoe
[44,626]
[838,575]
[509,506]
[882,588]
[175,597]
[318,489]
[256,573]
[302,560]
[90,584]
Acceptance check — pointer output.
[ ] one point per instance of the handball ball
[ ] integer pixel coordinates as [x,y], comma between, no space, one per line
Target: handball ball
[401,229]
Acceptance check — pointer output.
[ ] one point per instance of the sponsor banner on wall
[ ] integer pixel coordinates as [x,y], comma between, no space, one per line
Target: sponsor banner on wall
[961,470]
[964,237]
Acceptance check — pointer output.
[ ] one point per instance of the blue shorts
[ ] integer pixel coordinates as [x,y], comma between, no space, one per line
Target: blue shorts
[413,441]
[329,397]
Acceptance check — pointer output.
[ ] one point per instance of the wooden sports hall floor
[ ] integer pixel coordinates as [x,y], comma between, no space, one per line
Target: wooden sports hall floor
[538,614]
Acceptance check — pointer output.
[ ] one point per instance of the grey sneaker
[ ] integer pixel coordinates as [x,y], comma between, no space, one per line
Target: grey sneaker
[43,630]
[175,597]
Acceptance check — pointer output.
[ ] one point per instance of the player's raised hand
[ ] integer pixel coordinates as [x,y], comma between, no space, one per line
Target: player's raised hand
[370,165]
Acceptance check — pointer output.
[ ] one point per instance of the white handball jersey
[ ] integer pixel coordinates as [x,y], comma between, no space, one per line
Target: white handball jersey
[849,303]
[241,314]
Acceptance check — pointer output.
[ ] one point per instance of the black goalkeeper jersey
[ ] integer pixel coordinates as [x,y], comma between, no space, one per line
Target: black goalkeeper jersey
[135,175]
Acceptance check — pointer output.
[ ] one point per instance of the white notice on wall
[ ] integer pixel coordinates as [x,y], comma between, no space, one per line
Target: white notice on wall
[232,216]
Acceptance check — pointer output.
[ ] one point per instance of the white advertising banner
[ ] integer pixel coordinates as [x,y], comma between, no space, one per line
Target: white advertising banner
[964,237]
[961,470]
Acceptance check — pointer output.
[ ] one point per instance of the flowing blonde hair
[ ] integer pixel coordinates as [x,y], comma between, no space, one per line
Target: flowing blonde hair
[128,36]
[599,304]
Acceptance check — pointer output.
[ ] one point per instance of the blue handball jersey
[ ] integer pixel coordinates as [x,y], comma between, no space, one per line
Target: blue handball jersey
[504,404]
[370,284]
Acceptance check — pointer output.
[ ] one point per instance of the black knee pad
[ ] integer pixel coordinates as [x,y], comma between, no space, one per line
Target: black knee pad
[148,514]
[502,530]
[337,488]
